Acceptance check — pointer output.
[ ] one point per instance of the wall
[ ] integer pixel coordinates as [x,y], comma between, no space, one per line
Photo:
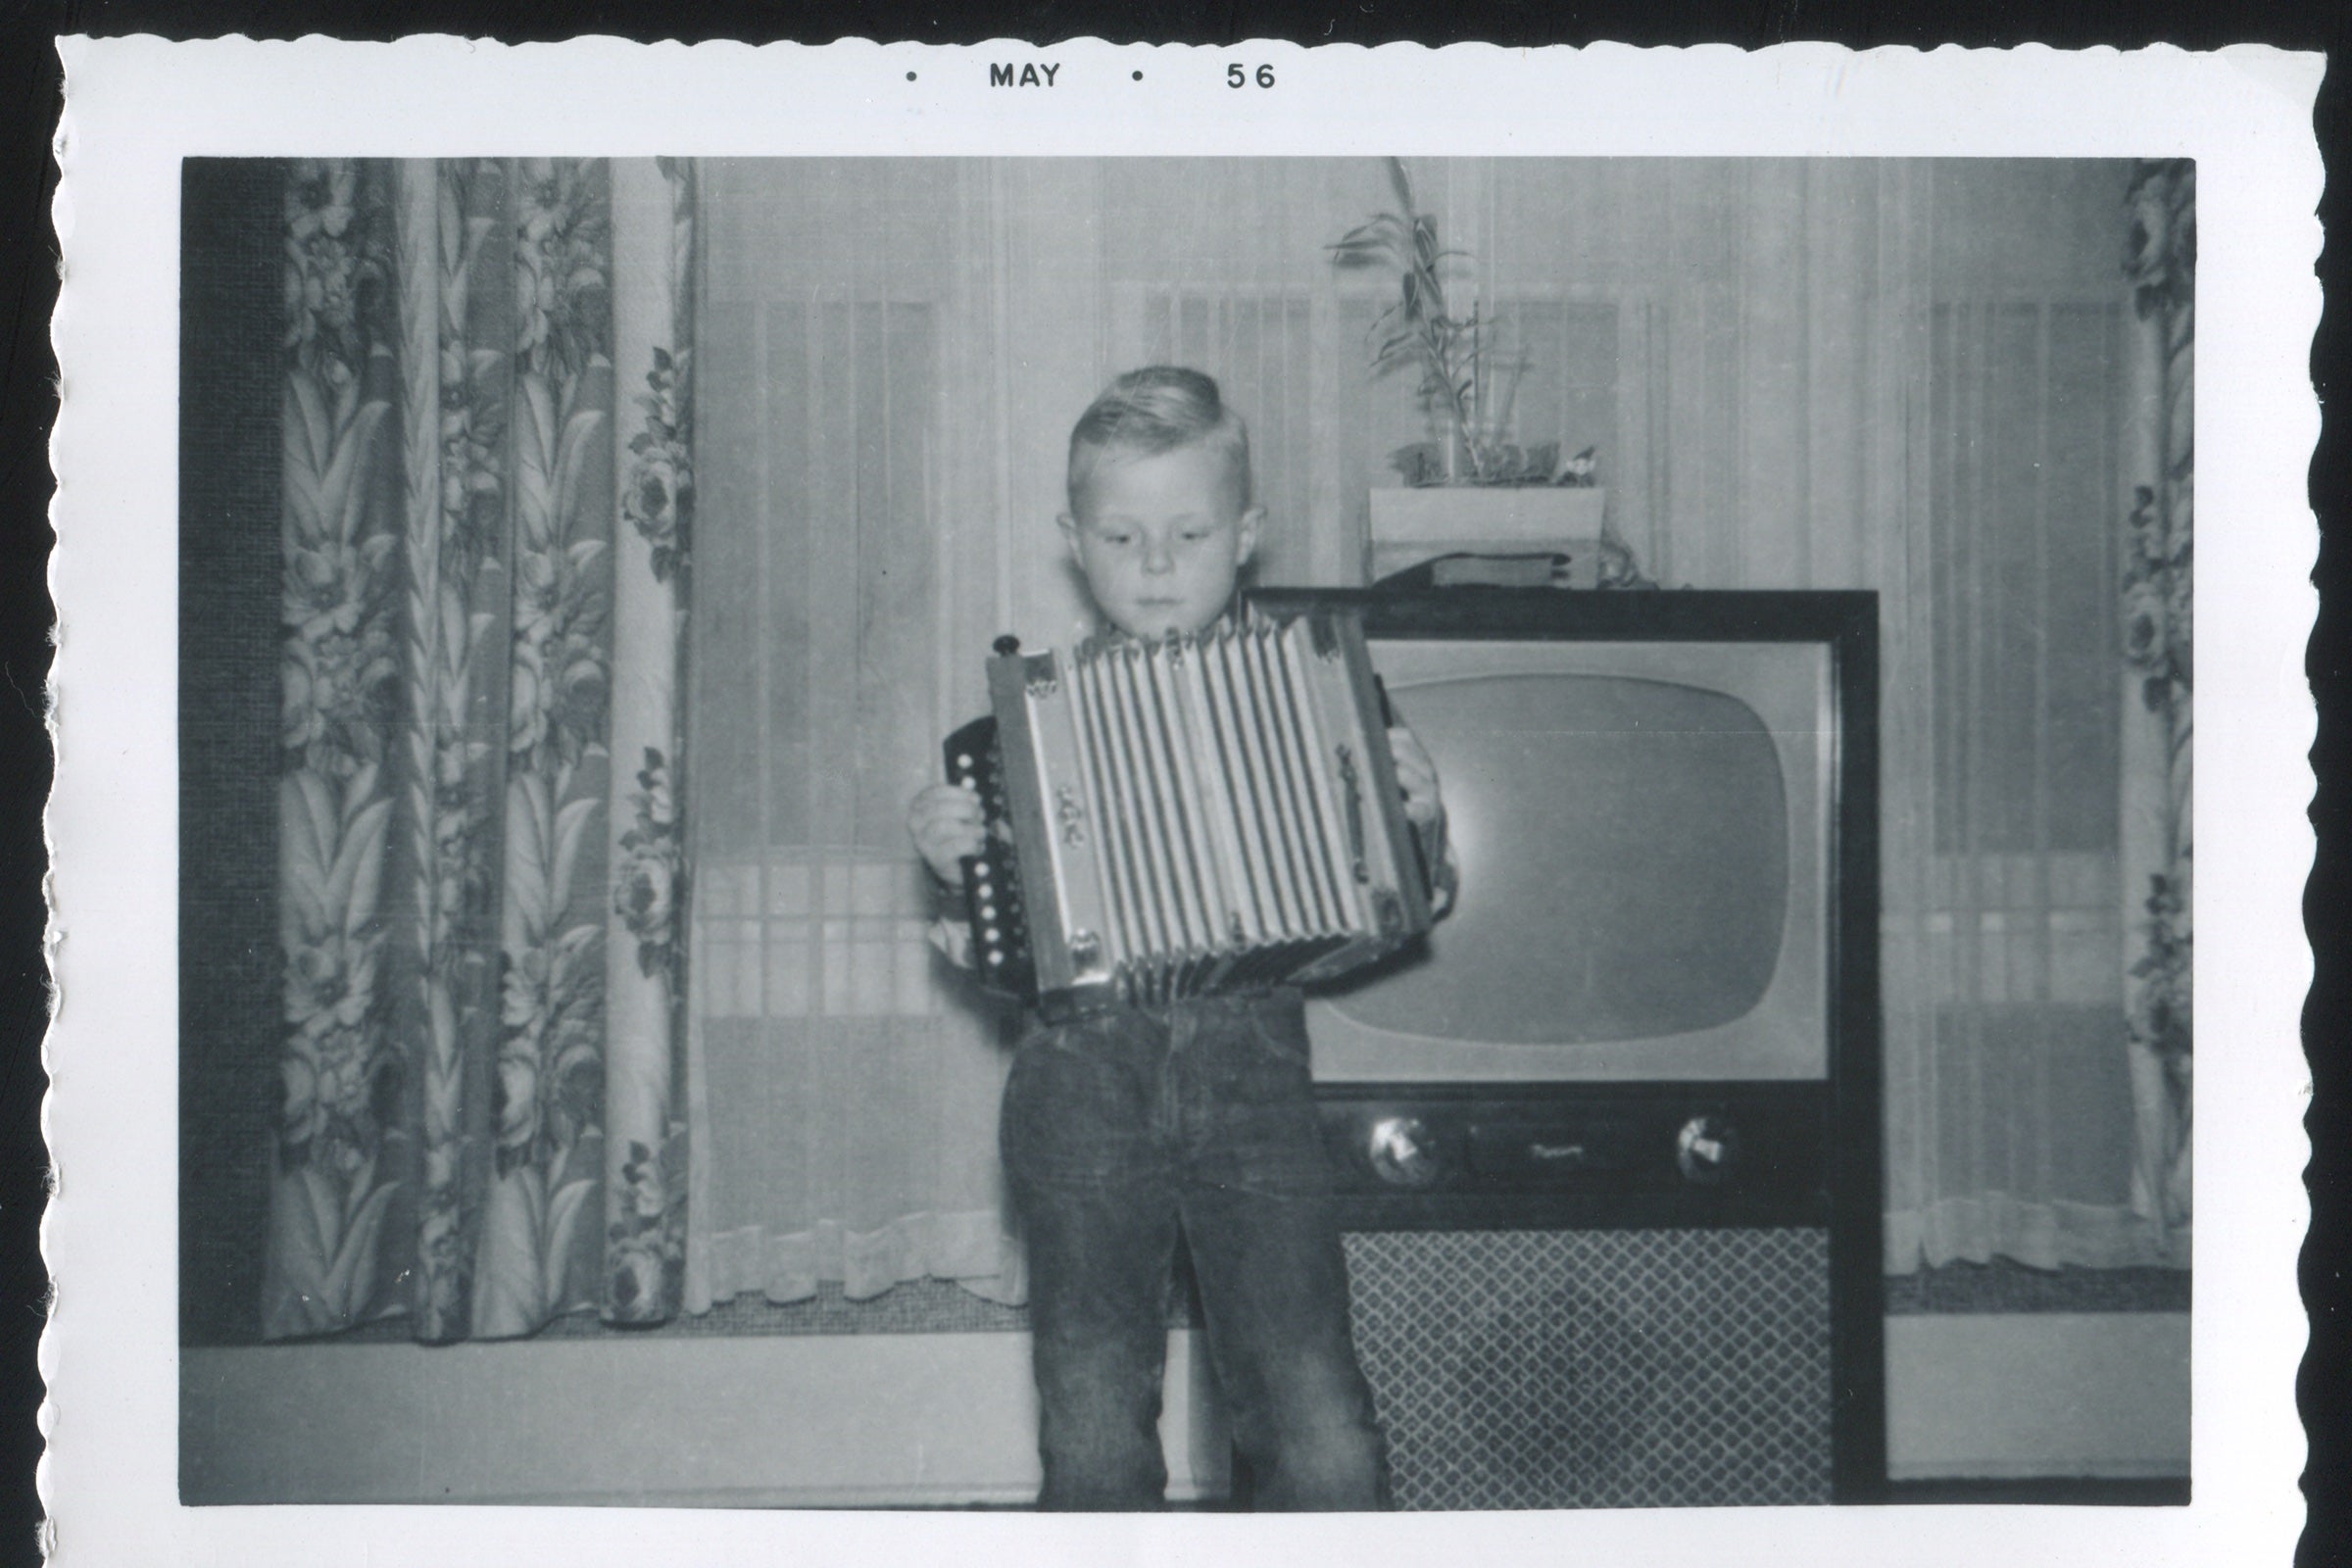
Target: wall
[1894,376]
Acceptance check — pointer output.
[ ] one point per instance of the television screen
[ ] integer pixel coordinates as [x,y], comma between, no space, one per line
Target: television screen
[1642,833]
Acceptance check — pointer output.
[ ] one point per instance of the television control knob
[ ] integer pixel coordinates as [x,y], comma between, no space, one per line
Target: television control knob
[1008,645]
[1402,1153]
[1707,1149]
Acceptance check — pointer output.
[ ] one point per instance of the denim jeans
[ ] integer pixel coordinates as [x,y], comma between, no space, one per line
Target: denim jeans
[1121,1128]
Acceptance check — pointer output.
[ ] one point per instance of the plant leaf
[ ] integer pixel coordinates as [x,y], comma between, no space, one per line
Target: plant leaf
[571,823]
[509,1292]
[1399,184]
[562,1222]
[351,889]
[301,1259]
[573,454]
[342,495]
[527,858]
[314,424]
[301,468]
[306,809]
[325,1207]
[352,1279]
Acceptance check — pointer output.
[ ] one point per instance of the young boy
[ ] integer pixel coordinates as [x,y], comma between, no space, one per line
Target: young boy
[1121,1128]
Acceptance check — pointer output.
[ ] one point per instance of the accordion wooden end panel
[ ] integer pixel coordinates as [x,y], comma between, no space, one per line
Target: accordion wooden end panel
[1186,816]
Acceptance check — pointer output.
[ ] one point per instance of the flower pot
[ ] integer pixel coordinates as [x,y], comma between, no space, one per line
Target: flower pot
[1410,526]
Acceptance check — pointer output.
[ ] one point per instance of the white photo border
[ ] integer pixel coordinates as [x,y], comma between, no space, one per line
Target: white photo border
[135,107]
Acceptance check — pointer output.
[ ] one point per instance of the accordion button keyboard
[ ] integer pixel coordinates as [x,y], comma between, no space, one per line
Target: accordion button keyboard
[991,879]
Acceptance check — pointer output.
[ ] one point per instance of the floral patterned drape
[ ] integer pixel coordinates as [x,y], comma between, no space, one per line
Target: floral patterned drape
[2161,265]
[485,544]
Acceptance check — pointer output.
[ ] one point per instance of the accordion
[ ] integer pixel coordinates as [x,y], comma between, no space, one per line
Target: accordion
[1194,814]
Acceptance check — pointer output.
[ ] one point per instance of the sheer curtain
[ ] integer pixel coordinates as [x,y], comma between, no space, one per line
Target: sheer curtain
[843,1089]
[1904,377]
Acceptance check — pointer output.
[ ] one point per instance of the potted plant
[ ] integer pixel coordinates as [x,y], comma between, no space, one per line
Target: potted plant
[1467,487]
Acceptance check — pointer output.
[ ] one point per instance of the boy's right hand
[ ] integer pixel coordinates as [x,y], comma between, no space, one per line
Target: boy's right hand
[947,823]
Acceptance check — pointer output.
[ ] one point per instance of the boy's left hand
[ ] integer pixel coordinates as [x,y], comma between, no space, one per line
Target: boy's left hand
[1416,777]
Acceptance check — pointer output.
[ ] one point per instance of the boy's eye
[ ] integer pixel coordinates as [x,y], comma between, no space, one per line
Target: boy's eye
[1192,536]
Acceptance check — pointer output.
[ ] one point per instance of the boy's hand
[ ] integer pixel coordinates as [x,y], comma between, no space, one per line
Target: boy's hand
[1417,777]
[947,825]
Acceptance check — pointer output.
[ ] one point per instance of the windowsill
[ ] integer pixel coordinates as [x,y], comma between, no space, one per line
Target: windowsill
[2001,1286]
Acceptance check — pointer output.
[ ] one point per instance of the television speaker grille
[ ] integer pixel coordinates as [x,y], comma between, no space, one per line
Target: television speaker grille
[1598,1368]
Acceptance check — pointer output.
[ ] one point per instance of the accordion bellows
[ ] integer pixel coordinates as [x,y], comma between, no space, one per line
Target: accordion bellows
[1186,816]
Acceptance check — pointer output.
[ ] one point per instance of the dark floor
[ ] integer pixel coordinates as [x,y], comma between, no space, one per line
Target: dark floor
[2041,1491]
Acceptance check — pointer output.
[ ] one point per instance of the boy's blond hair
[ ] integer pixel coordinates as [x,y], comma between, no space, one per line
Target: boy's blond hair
[1159,408]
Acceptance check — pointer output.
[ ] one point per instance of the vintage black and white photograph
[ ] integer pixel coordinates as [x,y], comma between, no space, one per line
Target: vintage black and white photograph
[1720,529]
[1437,832]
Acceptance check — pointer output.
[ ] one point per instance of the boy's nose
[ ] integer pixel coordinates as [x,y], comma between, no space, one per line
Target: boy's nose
[1158,558]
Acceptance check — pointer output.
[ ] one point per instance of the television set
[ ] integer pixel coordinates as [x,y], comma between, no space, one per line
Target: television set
[1641,830]
[1662,808]
[1629,1081]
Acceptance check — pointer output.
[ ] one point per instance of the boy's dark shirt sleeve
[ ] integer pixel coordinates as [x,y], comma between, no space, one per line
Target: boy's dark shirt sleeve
[1445,869]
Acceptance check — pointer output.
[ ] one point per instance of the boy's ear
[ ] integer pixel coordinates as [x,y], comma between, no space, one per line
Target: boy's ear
[1246,536]
[1069,537]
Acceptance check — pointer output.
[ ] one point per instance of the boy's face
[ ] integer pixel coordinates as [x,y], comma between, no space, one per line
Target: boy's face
[1159,538]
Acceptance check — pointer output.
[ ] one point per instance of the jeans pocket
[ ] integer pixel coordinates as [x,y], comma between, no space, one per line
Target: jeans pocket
[1069,1116]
